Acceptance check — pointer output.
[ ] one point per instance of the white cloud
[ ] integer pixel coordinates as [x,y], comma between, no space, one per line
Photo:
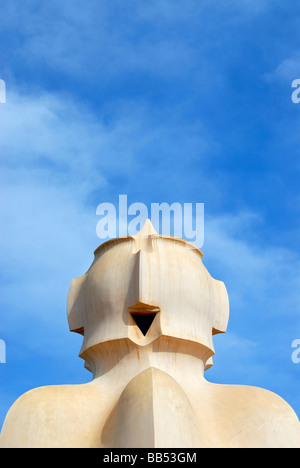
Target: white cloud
[261,274]
[288,70]
[49,132]
[263,285]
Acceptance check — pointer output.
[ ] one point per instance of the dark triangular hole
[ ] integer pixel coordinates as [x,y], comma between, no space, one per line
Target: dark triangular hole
[143,321]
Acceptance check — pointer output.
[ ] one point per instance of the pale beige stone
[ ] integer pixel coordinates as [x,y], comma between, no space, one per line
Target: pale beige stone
[148,389]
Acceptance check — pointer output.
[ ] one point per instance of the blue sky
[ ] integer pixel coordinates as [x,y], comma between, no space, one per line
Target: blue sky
[165,101]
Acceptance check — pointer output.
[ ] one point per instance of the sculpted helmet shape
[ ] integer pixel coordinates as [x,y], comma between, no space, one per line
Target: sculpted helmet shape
[148,308]
[148,278]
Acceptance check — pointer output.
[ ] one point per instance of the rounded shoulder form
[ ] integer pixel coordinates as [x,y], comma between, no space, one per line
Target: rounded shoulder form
[40,416]
[258,417]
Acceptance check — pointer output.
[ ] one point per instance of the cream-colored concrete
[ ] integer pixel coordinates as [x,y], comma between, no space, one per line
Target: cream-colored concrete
[149,390]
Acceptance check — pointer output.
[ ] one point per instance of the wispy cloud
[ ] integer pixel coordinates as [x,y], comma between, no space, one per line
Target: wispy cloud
[287,70]
[263,284]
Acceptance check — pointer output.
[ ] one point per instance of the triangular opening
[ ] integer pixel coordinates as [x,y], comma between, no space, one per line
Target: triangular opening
[143,321]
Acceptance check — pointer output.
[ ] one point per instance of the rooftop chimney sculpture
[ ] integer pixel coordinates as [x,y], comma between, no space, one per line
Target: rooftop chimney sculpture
[148,309]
